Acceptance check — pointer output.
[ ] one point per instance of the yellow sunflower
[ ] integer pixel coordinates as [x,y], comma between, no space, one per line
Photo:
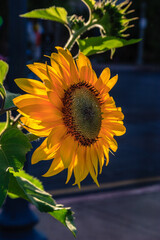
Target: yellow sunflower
[72,108]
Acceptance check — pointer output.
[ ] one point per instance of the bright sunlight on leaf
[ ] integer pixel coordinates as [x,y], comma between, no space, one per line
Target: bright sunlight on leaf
[3,70]
[2,126]
[57,14]
[95,45]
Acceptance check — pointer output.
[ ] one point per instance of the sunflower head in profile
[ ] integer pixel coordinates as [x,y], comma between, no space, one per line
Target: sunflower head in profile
[73,110]
[113,17]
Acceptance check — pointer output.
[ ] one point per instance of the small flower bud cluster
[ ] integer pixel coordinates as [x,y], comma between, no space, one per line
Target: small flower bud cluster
[76,22]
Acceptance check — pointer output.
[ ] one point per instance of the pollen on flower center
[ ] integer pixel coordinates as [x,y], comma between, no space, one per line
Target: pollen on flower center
[82,113]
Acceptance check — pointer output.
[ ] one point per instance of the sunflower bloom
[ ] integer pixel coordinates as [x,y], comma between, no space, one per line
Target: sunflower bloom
[73,110]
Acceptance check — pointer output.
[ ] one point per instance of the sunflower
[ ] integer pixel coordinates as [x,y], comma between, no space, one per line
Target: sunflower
[73,110]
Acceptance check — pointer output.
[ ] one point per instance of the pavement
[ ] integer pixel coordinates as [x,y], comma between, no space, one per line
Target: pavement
[119,215]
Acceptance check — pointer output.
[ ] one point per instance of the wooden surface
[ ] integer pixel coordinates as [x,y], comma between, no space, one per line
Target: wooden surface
[122,215]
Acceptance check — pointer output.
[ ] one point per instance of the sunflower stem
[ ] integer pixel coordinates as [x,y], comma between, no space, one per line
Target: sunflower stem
[76,35]
[8,119]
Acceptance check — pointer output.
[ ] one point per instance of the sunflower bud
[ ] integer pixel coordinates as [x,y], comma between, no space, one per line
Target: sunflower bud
[76,22]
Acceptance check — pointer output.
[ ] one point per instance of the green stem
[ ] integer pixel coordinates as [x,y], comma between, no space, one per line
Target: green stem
[8,119]
[73,37]
[3,101]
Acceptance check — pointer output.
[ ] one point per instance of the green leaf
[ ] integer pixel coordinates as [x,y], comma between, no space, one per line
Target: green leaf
[14,190]
[57,14]
[65,216]
[14,146]
[2,126]
[9,100]
[99,44]
[4,176]
[31,137]
[89,3]
[2,91]
[29,188]
[3,71]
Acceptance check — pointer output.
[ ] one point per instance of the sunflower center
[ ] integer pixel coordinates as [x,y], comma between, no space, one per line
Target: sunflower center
[82,113]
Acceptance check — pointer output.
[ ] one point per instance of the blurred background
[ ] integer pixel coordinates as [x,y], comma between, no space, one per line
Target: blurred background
[136,163]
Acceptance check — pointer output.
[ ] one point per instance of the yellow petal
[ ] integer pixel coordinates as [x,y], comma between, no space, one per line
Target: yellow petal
[99,85]
[115,128]
[108,101]
[34,87]
[110,140]
[55,63]
[112,82]
[55,99]
[112,115]
[36,71]
[105,75]
[37,108]
[28,99]
[35,127]
[44,153]
[57,79]
[67,150]
[55,168]
[39,133]
[52,87]
[83,61]
[85,74]
[70,170]
[94,158]
[57,135]
[90,165]
[106,153]
[69,64]
[100,156]
[80,168]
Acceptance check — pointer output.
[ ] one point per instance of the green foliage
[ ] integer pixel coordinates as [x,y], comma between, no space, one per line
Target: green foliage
[4,176]
[14,146]
[3,71]
[95,45]
[29,188]
[57,14]
[2,91]
[9,99]
[65,216]
[2,126]
[31,137]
